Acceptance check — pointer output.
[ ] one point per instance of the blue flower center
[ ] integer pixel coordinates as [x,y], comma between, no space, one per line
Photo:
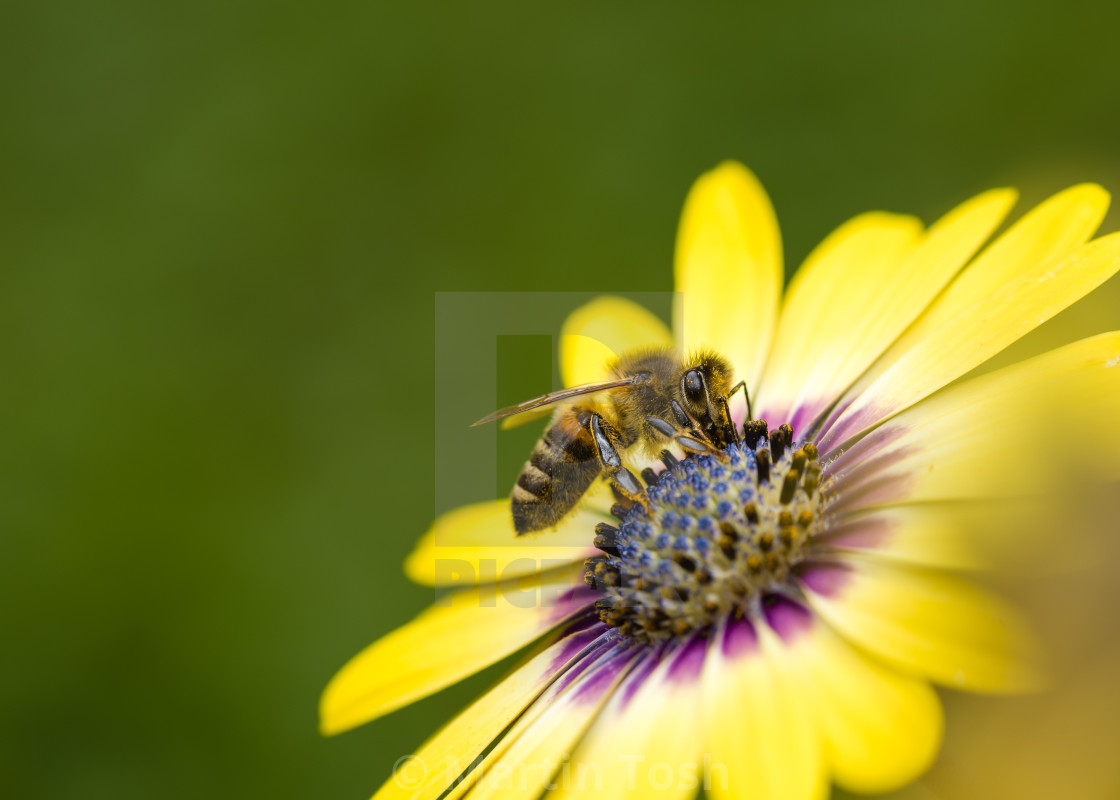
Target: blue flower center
[718,532]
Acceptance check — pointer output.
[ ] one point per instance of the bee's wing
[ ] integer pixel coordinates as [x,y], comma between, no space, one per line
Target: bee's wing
[524,419]
[554,397]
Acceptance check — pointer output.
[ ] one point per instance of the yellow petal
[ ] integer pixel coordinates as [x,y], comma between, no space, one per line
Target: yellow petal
[728,269]
[857,292]
[881,729]
[926,622]
[979,438]
[816,327]
[531,755]
[758,732]
[1032,272]
[646,742]
[463,633]
[930,534]
[447,754]
[595,333]
[477,544]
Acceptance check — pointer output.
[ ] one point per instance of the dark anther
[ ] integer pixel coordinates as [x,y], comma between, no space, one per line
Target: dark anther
[620,511]
[788,536]
[805,518]
[810,450]
[763,459]
[785,519]
[687,564]
[703,576]
[765,541]
[606,538]
[789,485]
[612,616]
[787,433]
[668,459]
[754,431]
[799,458]
[728,537]
[649,476]
[602,543]
[777,444]
[591,569]
[674,592]
[751,512]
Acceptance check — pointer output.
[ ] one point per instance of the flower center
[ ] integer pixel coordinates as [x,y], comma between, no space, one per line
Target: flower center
[721,532]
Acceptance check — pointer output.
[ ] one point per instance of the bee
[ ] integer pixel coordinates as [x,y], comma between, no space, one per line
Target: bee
[654,397]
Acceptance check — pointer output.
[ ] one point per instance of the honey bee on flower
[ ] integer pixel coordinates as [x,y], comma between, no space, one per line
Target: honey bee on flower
[762,587]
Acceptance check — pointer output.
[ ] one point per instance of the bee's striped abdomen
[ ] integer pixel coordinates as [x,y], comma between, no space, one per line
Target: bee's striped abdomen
[561,468]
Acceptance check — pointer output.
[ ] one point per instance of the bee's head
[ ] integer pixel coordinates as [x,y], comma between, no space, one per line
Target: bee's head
[703,382]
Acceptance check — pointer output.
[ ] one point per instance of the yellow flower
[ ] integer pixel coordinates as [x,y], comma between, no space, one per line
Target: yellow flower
[760,639]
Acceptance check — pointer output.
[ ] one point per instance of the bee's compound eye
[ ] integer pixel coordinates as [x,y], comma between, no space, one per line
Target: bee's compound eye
[693,385]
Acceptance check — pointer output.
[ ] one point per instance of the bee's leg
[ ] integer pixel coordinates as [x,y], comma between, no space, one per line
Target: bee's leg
[661,426]
[724,431]
[682,418]
[691,444]
[730,433]
[740,385]
[605,437]
[690,441]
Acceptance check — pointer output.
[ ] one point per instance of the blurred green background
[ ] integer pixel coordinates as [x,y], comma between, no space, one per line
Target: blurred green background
[222,228]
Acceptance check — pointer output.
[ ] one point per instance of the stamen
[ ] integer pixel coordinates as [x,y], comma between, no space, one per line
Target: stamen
[606,538]
[789,485]
[762,459]
[753,431]
[777,444]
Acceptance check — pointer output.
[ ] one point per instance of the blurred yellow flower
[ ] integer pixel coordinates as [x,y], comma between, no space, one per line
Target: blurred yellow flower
[776,621]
